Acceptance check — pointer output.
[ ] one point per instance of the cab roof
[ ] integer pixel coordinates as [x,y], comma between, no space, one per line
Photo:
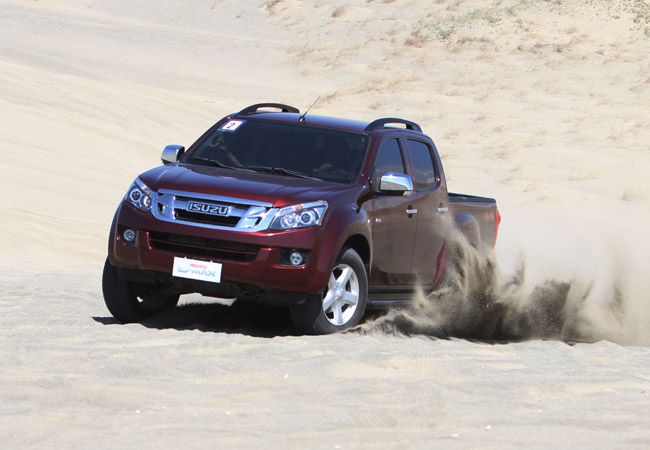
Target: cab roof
[291,114]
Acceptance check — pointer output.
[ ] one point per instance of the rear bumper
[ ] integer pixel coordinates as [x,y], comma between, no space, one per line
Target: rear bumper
[248,259]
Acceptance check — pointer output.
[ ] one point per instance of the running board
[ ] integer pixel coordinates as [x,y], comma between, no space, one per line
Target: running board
[383,303]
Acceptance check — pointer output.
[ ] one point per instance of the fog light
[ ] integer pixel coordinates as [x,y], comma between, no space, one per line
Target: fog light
[295,258]
[128,235]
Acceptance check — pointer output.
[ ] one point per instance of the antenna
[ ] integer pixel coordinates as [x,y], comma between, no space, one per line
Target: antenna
[302,118]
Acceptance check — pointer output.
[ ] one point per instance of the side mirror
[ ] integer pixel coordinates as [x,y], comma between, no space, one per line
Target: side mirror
[172,153]
[395,183]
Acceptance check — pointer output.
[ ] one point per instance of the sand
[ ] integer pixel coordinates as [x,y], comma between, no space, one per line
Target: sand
[542,105]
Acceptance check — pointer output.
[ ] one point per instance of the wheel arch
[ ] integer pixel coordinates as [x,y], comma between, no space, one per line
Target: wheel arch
[360,245]
[468,226]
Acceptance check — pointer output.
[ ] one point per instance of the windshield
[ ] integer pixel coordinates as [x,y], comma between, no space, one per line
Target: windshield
[283,149]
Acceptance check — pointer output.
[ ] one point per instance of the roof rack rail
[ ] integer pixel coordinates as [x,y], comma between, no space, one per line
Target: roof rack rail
[253,108]
[381,123]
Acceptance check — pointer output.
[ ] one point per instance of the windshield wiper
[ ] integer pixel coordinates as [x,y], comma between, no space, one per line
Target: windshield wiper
[208,161]
[214,163]
[281,171]
[264,169]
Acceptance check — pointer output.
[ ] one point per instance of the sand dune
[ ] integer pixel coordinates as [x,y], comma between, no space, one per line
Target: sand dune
[543,105]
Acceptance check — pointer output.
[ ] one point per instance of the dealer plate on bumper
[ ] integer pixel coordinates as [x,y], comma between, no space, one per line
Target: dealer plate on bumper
[197,270]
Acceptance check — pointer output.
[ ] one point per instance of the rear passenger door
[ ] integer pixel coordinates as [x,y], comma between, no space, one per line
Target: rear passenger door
[432,207]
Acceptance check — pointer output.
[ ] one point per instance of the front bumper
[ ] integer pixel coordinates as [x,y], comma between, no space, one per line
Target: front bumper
[248,259]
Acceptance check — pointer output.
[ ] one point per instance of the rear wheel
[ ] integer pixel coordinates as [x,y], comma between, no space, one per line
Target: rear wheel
[131,302]
[343,302]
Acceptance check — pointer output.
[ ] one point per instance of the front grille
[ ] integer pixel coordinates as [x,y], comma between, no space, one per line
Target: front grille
[204,247]
[204,210]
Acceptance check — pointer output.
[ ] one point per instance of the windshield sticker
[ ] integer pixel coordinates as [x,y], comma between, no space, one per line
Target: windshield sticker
[232,125]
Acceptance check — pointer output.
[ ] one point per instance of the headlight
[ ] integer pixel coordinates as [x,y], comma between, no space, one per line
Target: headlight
[139,195]
[299,216]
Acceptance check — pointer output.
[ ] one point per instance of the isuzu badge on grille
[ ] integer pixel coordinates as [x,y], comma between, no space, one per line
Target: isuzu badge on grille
[209,208]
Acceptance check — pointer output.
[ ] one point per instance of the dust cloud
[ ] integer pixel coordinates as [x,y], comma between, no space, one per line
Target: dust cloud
[478,300]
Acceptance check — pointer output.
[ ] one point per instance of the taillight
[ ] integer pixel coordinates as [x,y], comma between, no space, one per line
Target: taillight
[497,222]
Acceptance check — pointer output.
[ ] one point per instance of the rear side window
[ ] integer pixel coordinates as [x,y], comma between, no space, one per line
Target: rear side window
[389,159]
[424,172]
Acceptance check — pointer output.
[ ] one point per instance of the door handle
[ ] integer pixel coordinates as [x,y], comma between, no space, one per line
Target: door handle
[442,208]
[410,210]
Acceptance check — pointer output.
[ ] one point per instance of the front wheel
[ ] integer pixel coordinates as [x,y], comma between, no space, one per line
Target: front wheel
[127,301]
[343,302]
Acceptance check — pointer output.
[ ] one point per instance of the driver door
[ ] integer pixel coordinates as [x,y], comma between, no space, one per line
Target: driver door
[393,229]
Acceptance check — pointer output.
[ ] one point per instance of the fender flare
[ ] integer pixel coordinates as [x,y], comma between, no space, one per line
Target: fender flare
[467,225]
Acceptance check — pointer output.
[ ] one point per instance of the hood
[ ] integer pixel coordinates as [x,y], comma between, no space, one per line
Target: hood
[278,190]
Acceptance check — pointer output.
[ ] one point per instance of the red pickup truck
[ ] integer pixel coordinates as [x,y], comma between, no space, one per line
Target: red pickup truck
[327,216]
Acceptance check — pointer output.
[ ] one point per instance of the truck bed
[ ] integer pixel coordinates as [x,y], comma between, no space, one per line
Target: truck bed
[464,198]
[477,217]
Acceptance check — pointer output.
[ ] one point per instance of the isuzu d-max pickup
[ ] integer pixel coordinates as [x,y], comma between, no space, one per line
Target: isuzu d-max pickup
[326,216]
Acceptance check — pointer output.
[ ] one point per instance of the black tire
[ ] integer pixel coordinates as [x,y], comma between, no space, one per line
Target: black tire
[122,299]
[342,304]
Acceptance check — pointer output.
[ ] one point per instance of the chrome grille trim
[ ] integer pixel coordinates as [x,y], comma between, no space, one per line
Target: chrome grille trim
[253,215]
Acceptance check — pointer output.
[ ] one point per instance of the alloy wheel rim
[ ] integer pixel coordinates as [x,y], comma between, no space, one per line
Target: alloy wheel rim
[341,298]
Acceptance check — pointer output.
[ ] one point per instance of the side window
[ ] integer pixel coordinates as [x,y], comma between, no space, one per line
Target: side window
[424,172]
[389,159]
